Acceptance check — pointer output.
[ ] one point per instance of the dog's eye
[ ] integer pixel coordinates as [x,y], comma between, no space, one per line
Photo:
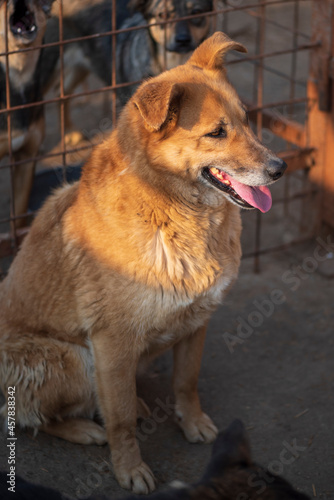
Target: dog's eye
[164,16]
[197,20]
[219,133]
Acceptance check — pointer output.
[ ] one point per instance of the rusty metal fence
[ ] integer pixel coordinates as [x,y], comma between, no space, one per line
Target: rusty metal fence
[285,80]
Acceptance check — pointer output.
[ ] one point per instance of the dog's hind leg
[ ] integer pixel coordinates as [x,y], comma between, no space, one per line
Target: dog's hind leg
[53,381]
[85,431]
[77,430]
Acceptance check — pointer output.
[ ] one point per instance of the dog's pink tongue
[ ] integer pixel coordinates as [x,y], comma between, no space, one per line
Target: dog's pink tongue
[257,196]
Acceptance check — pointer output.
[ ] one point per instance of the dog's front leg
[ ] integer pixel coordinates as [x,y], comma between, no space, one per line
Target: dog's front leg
[115,366]
[196,425]
[24,173]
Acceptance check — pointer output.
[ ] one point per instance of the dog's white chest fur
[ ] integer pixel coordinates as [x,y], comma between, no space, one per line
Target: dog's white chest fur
[170,316]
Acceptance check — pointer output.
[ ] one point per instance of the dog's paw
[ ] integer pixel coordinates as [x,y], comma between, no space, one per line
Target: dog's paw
[77,430]
[73,138]
[139,479]
[198,429]
[94,434]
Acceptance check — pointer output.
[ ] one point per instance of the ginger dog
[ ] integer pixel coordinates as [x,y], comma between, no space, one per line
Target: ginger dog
[132,260]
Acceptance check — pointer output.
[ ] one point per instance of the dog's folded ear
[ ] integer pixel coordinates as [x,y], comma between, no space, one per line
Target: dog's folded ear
[211,53]
[156,102]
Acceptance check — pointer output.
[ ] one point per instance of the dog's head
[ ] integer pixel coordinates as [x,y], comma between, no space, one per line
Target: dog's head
[27,19]
[181,36]
[191,126]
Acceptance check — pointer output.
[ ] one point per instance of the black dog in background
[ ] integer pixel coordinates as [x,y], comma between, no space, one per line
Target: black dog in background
[26,22]
[230,475]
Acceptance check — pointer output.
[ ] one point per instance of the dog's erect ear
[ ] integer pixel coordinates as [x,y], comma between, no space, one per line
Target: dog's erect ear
[155,102]
[46,6]
[138,6]
[231,448]
[211,53]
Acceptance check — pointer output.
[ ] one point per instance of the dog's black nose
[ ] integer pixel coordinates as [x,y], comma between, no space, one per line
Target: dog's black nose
[182,33]
[183,38]
[276,168]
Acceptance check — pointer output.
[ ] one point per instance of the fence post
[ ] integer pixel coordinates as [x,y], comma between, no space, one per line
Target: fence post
[321,110]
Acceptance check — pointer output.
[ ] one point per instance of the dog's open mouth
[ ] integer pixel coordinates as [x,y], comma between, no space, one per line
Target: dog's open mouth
[22,21]
[245,196]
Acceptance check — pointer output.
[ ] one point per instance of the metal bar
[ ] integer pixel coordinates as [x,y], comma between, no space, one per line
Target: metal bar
[121,85]
[306,46]
[299,159]
[279,103]
[214,20]
[294,55]
[258,64]
[292,95]
[9,130]
[321,114]
[6,243]
[261,25]
[62,102]
[70,96]
[282,27]
[282,127]
[165,36]
[49,155]
[113,62]
[83,148]
[17,217]
[287,179]
[279,73]
[278,248]
[303,224]
[225,20]
[275,23]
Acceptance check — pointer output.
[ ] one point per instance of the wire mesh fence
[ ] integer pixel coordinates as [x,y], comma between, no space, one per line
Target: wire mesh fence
[95,52]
